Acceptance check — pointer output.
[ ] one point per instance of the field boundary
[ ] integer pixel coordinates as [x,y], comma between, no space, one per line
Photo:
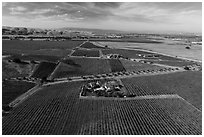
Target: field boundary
[131,98]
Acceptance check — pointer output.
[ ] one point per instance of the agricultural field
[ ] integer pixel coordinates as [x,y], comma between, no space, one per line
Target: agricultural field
[86,53]
[38,50]
[89,45]
[58,110]
[80,98]
[44,70]
[35,57]
[24,45]
[125,53]
[187,84]
[137,66]
[116,65]
[12,89]
[81,66]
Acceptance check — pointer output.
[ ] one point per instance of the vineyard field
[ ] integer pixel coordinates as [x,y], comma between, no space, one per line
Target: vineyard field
[35,57]
[82,66]
[137,66]
[89,45]
[125,53]
[44,69]
[58,110]
[185,84]
[86,53]
[24,45]
[13,89]
[116,65]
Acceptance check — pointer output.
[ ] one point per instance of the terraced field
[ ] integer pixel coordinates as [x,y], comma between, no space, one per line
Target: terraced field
[57,109]
[185,84]
[86,53]
[82,66]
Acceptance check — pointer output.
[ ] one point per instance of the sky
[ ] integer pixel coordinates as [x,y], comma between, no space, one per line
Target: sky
[133,16]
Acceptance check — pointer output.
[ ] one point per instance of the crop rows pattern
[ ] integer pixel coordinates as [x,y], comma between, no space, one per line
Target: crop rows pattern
[82,66]
[91,46]
[116,65]
[125,53]
[36,57]
[185,84]
[137,66]
[23,45]
[44,70]
[58,110]
[13,89]
[86,53]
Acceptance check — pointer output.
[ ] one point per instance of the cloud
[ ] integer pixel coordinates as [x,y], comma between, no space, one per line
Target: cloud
[101,12]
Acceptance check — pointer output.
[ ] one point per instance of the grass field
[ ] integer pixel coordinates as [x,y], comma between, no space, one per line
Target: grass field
[185,84]
[44,69]
[82,66]
[58,110]
[13,89]
[13,70]
[86,53]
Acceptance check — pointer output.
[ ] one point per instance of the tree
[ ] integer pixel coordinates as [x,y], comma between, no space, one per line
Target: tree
[17,60]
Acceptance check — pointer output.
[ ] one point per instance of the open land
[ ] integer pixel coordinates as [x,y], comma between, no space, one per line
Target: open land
[155,94]
[167,47]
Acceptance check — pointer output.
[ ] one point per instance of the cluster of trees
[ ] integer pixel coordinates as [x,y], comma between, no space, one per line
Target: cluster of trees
[25,31]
